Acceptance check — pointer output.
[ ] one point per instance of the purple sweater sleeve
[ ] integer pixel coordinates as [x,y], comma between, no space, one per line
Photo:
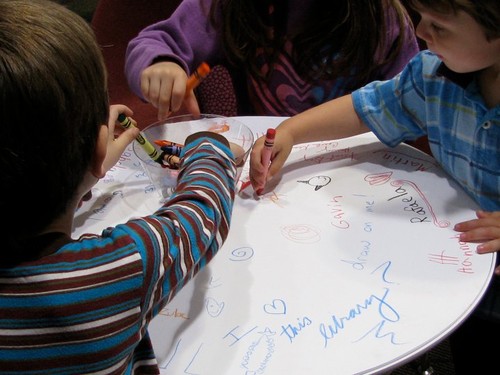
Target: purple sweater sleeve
[187,37]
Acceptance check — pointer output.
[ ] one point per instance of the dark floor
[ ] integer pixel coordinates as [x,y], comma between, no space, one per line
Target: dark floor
[438,361]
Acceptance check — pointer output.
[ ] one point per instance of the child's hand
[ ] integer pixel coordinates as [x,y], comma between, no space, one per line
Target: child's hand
[163,84]
[108,154]
[116,146]
[259,174]
[484,229]
[85,198]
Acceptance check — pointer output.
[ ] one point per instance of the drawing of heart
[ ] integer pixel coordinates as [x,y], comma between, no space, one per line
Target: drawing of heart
[277,307]
[378,178]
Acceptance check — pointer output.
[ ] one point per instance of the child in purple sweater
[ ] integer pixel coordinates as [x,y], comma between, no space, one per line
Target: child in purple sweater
[284,56]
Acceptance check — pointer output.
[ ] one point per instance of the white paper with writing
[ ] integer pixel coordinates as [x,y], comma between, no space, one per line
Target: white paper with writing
[347,264]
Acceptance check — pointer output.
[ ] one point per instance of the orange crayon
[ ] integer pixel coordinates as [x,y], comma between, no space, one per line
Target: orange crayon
[164,142]
[198,75]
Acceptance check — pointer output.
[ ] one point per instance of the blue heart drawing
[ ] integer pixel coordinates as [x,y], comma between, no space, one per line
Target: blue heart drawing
[277,307]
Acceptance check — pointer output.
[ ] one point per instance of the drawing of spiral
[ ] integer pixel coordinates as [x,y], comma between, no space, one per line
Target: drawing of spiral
[240,254]
[301,233]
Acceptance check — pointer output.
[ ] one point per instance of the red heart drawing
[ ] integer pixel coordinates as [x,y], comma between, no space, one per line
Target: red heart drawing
[378,178]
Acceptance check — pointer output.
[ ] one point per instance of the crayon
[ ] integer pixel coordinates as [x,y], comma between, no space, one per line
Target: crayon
[163,143]
[198,75]
[244,185]
[152,152]
[172,161]
[172,149]
[267,151]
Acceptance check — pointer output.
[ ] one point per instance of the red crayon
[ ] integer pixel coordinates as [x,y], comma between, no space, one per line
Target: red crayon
[267,151]
[244,185]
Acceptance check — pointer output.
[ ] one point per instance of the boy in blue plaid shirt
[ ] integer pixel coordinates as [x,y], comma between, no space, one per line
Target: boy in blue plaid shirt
[451,93]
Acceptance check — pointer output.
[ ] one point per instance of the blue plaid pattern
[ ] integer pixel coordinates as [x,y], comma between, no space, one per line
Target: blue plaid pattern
[428,99]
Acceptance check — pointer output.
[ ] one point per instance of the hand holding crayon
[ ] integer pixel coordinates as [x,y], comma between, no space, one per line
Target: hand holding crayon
[267,152]
[163,158]
[152,152]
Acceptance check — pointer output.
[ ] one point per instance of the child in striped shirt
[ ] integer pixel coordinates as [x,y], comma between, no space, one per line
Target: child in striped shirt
[82,306]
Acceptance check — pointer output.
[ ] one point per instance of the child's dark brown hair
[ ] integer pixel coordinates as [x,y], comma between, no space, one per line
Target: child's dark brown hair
[485,12]
[340,38]
[53,99]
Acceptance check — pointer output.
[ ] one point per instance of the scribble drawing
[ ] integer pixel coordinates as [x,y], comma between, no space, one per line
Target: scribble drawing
[278,306]
[384,271]
[321,147]
[408,157]
[219,128]
[175,313]
[301,233]
[267,332]
[167,363]
[241,254]
[440,224]
[235,336]
[213,307]
[213,283]
[318,182]
[378,178]
[378,333]
[258,355]
[107,200]
[274,198]
[444,259]
[187,371]
[109,178]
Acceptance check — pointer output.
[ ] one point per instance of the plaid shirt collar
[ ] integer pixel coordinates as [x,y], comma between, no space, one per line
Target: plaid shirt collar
[461,79]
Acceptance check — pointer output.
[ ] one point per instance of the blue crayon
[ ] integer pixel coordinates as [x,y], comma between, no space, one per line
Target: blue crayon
[172,150]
